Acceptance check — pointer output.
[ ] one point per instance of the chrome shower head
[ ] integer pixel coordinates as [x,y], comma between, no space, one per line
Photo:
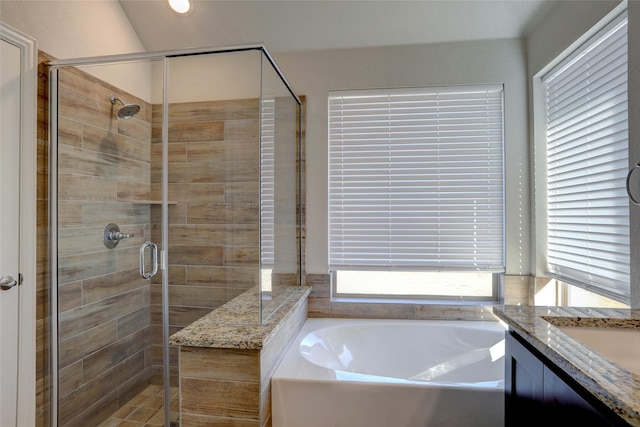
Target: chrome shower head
[127,111]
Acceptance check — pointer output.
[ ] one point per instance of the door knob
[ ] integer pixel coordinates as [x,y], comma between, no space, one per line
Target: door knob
[7,282]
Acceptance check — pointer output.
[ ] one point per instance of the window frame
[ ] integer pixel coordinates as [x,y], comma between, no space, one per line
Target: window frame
[539,138]
[496,276]
[496,286]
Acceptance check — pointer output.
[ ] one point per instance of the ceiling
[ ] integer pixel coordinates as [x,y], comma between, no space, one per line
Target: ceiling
[295,25]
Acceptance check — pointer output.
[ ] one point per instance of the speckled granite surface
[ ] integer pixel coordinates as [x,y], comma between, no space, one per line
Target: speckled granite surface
[616,387]
[232,325]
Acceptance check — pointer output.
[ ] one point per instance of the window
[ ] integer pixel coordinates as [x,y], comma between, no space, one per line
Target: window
[267,191]
[416,190]
[587,161]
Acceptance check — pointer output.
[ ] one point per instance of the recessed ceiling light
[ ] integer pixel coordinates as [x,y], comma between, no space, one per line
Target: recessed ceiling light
[180,6]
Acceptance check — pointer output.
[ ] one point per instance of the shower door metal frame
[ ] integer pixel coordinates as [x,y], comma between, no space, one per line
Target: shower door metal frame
[163,56]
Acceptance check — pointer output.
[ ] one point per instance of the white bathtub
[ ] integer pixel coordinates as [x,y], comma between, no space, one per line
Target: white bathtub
[391,373]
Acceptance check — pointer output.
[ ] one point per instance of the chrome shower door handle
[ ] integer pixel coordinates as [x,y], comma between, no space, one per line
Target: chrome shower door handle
[154,255]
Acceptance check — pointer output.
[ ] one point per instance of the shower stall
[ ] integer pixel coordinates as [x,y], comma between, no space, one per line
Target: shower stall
[174,187]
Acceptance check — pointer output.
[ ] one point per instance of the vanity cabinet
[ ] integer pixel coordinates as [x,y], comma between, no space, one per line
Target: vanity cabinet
[539,394]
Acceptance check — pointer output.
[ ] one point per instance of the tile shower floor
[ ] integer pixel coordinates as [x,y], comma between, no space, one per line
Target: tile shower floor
[145,410]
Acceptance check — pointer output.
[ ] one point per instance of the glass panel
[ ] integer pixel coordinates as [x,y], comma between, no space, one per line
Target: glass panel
[106,349]
[214,183]
[279,190]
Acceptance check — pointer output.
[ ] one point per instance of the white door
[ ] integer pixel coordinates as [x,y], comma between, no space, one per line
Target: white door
[18,93]
[10,108]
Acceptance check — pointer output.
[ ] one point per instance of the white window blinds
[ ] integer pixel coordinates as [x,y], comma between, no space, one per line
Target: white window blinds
[587,149]
[267,182]
[416,179]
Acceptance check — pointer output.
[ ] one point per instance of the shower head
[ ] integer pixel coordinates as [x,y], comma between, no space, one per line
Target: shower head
[127,111]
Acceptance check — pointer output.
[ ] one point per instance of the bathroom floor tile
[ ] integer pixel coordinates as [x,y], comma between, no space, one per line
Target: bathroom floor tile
[123,412]
[153,402]
[157,420]
[141,415]
[111,422]
[152,390]
[145,409]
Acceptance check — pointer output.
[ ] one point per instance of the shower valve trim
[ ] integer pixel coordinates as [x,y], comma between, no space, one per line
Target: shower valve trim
[112,236]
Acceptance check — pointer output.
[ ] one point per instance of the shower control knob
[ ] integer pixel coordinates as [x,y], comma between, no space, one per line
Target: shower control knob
[112,236]
[116,235]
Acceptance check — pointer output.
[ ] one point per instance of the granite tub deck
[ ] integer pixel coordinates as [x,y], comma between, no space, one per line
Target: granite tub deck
[615,386]
[227,360]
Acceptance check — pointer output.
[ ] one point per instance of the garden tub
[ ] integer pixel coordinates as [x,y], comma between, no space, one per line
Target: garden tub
[383,373]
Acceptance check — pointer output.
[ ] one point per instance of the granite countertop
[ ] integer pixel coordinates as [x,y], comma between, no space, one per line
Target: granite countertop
[615,386]
[234,325]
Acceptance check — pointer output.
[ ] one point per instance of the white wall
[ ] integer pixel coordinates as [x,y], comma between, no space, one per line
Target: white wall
[73,29]
[235,75]
[499,61]
[78,29]
[563,25]
[86,28]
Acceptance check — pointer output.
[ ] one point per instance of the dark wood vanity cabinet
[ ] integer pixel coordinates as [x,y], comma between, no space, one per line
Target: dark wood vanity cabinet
[539,394]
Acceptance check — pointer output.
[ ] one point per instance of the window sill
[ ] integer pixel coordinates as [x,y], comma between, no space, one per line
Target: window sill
[417,301]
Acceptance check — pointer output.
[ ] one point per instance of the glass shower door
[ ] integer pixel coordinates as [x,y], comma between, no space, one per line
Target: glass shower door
[103,242]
